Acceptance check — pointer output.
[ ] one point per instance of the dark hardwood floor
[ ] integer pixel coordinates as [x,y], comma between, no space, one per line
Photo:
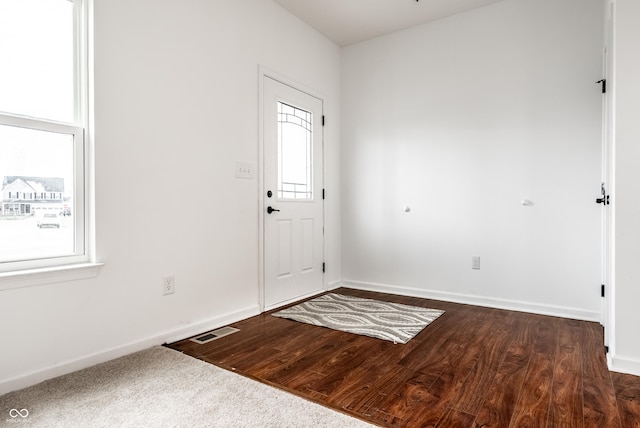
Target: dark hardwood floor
[472,367]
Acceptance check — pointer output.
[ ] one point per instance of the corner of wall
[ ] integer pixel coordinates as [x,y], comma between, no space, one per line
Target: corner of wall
[624,365]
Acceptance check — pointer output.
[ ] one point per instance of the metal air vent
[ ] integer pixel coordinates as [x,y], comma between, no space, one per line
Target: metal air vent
[214,334]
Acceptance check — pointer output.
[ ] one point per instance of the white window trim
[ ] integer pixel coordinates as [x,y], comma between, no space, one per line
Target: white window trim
[54,270]
[50,275]
[80,217]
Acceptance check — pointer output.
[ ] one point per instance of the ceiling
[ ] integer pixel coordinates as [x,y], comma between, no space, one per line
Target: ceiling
[351,21]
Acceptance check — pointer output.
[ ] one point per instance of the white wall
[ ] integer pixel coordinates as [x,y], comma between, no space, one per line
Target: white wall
[176,105]
[460,120]
[626,91]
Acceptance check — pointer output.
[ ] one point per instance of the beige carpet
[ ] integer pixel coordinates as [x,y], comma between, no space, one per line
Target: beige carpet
[160,387]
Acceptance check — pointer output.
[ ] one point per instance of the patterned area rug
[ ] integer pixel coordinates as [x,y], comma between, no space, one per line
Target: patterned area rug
[384,320]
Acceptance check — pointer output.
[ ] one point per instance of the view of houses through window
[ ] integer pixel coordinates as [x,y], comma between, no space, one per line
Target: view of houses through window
[36,205]
[42,138]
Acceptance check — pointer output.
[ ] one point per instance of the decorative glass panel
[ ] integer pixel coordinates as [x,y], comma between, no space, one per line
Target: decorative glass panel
[295,161]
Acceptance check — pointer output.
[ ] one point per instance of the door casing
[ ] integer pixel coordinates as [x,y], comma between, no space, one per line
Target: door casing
[608,177]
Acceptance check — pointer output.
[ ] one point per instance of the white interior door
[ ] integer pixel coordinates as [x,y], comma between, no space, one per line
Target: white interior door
[293,197]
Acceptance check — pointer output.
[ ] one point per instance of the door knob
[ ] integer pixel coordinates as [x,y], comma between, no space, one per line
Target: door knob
[270,210]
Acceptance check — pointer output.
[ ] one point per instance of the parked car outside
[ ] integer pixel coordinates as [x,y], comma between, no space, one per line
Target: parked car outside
[49,220]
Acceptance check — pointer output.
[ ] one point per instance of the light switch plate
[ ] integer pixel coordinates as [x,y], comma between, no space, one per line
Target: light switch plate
[245,170]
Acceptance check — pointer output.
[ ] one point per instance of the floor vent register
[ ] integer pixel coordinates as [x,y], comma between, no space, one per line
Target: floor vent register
[214,334]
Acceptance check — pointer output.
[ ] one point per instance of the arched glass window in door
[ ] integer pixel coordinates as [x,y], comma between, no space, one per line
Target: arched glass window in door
[295,160]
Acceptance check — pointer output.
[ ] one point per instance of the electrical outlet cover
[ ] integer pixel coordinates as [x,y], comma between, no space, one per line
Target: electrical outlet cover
[475,262]
[168,284]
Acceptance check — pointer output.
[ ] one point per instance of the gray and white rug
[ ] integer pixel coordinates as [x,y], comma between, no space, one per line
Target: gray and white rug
[395,322]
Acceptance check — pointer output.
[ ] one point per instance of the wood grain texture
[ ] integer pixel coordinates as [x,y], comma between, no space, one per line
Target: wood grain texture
[594,358]
[600,409]
[534,399]
[627,390]
[472,367]
[503,393]
[566,407]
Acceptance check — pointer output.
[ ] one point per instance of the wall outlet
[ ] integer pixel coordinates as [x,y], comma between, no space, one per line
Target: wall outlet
[168,284]
[475,262]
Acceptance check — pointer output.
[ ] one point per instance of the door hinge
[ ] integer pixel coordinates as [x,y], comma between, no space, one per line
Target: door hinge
[323,120]
[604,85]
[604,200]
[606,349]
[602,290]
[323,194]
[324,267]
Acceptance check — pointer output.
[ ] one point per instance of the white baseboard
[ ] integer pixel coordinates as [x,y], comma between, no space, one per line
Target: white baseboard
[333,285]
[512,305]
[293,300]
[179,333]
[625,365]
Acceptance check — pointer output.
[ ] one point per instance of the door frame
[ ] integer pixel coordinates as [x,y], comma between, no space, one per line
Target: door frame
[608,177]
[263,73]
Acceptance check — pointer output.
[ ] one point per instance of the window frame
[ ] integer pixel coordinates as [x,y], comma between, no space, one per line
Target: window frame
[81,264]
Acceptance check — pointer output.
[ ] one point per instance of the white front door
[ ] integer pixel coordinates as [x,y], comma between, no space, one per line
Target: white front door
[293,194]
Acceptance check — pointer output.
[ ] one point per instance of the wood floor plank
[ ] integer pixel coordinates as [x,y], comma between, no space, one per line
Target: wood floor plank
[263,333]
[627,389]
[523,327]
[366,403]
[387,389]
[428,415]
[503,393]
[566,407]
[249,352]
[331,381]
[304,383]
[600,408]
[358,384]
[444,329]
[476,386]
[459,357]
[455,419]
[535,396]
[472,367]
[594,358]
[546,338]
[305,358]
[322,361]
[410,396]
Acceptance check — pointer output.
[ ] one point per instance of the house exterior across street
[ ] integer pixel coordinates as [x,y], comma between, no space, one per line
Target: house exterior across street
[26,196]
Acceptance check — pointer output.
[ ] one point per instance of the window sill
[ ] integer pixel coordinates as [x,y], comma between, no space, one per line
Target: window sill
[50,275]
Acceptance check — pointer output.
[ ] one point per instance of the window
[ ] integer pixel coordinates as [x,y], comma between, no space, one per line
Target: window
[42,134]
[295,166]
